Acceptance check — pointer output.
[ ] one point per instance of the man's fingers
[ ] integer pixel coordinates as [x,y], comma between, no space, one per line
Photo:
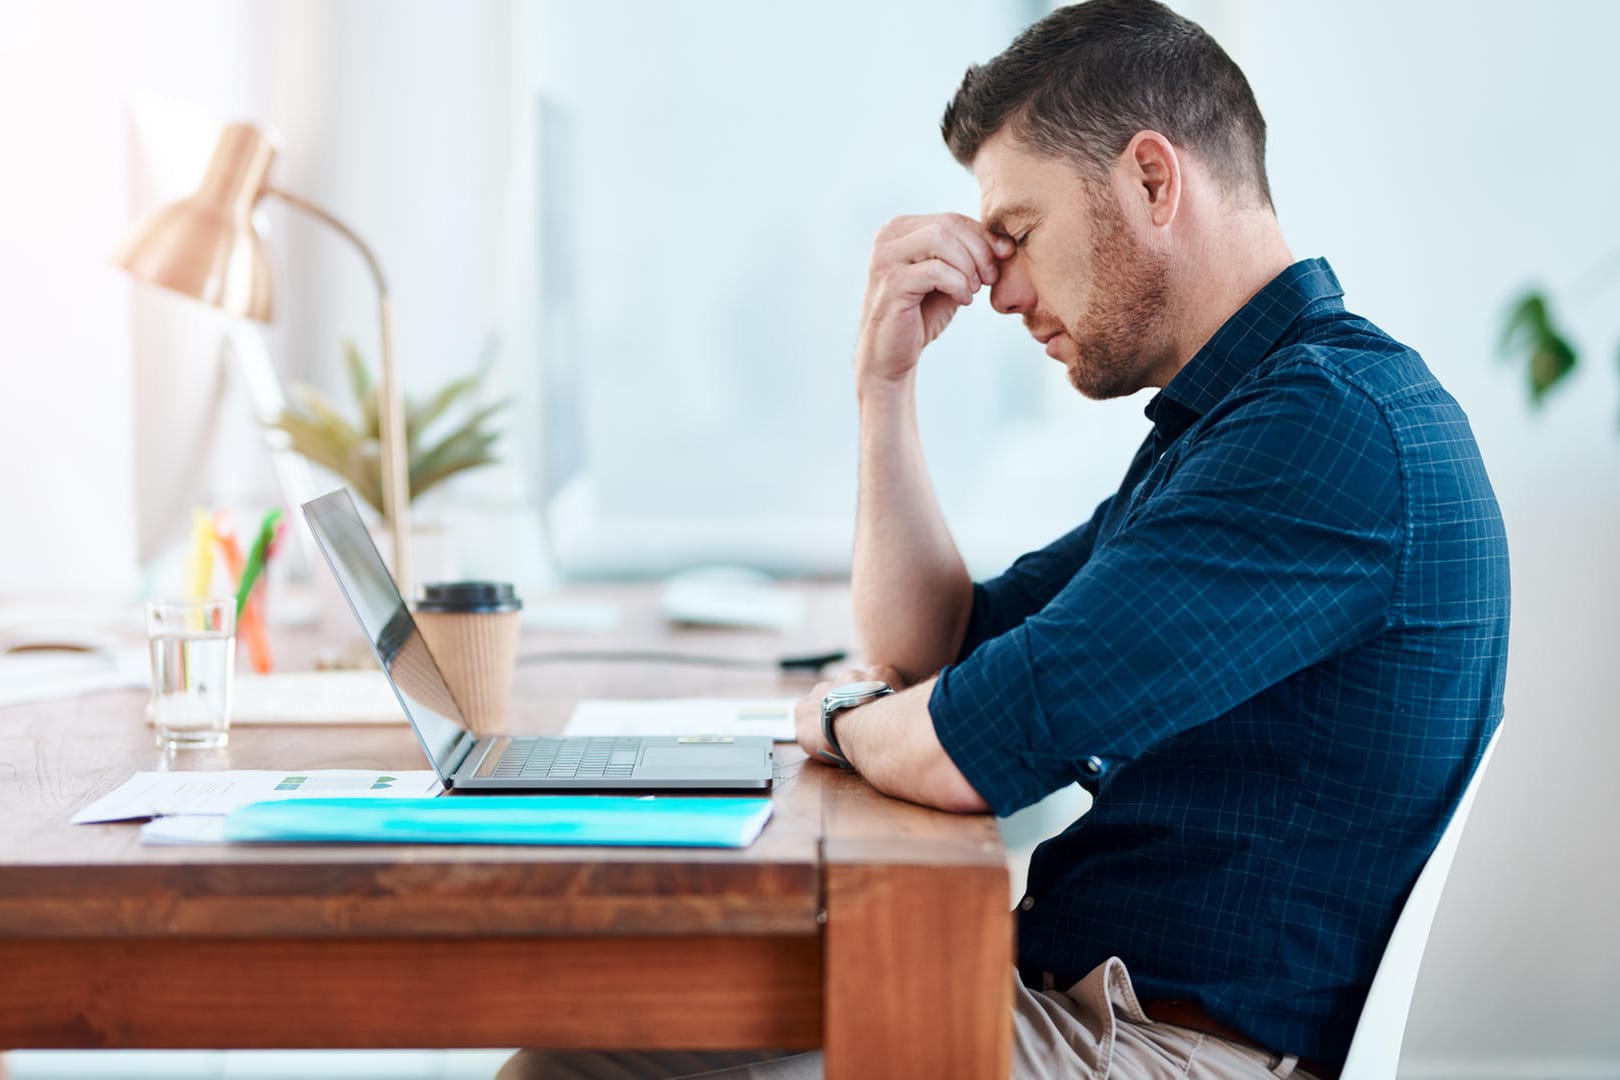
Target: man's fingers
[954,240]
[920,279]
[978,242]
[913,259]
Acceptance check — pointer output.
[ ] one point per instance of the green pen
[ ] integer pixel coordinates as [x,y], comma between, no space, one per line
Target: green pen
[255,559]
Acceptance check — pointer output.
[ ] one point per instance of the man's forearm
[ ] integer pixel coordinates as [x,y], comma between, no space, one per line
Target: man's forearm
[912,592]
[893,744]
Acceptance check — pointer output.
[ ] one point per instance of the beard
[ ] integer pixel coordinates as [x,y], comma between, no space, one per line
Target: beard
[1116,335]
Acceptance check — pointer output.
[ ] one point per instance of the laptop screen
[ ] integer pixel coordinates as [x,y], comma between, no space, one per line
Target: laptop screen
[393,634]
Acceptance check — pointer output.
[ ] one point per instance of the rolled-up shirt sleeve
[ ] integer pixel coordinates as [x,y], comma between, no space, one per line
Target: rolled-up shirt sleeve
[1029,584]
[1271,543]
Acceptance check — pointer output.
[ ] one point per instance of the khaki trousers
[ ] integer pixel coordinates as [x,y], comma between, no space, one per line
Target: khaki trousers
[1094,1030]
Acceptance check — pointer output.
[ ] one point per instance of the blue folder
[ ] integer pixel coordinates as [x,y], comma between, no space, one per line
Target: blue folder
[484,819]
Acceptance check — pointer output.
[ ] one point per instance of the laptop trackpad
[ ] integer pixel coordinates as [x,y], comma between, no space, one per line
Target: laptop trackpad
[696,760]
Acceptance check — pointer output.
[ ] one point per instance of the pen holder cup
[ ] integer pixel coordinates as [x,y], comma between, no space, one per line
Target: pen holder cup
[471,628]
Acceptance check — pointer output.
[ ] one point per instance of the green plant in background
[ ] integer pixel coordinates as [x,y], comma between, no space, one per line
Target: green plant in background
[320,431]
[1532,337]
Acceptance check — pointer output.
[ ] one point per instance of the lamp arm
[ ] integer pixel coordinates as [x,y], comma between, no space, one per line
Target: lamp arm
[394,462]
[349,234]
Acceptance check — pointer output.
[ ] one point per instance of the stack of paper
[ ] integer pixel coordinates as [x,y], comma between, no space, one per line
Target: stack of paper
[769,717]
[47,675]
[315,697]
[162,794]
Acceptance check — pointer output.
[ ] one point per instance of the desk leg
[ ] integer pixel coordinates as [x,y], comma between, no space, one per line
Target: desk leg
[919,971]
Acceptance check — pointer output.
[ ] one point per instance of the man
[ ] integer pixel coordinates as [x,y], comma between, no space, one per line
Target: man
[1274,656]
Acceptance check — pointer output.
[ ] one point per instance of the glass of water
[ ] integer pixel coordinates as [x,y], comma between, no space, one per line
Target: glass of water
[193,645]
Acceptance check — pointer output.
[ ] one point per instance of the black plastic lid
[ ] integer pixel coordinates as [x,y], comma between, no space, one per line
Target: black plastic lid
[468,596]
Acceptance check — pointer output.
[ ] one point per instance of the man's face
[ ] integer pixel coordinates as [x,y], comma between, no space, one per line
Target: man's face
[1085,283]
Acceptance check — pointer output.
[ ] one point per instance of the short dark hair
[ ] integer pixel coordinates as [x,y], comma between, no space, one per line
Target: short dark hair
[1083,81]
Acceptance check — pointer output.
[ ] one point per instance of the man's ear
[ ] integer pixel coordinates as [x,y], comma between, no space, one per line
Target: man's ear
[1152,170]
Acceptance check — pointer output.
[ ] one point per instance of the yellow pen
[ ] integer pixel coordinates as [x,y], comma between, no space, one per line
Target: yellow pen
[200,567]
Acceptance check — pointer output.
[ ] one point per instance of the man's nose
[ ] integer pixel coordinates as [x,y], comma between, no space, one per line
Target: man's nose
[1011,294]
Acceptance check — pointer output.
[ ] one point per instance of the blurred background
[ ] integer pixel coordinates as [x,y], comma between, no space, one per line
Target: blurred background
[650,223]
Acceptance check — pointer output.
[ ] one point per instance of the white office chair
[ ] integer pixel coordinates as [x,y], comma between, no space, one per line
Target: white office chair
[1376,1049]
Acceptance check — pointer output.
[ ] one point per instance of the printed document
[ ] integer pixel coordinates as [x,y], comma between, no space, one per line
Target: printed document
[315,697]
[161,794]
[771,717]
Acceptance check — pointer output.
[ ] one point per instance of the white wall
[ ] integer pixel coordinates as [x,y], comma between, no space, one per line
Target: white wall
[711,208]
[67,72]
[394,116]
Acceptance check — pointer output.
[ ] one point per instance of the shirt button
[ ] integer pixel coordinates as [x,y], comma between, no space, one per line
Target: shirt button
[1094,765]
[1026,904]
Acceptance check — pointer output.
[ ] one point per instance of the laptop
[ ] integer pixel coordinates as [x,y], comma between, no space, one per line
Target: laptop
[466,762]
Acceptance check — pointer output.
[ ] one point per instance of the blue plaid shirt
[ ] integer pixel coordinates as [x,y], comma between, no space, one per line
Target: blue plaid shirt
[1274,657]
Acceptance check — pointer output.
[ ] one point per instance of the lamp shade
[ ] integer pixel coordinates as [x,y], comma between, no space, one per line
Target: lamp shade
[207,246]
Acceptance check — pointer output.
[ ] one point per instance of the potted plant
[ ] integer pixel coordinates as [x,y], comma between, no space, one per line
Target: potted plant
[445,435]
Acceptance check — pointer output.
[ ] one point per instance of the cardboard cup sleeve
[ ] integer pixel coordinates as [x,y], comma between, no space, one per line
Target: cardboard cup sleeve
[476,651]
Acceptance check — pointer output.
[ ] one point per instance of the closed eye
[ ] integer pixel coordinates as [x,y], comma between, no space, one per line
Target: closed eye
[1021,239]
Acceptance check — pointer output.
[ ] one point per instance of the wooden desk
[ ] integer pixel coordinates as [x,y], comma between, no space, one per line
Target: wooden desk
[873,928]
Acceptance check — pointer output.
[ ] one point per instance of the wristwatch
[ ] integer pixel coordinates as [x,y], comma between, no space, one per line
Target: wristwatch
[839,698]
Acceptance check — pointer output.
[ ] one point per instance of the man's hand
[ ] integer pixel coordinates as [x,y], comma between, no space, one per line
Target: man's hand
[892,742]
[807,713]
[923,269]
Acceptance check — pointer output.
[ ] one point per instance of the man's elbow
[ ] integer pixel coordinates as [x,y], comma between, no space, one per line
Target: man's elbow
[949,790]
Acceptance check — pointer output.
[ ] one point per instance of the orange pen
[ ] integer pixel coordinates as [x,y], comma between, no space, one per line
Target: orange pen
[250,627]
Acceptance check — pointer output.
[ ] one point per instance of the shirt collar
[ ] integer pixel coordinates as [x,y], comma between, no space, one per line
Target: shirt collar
[1249,336]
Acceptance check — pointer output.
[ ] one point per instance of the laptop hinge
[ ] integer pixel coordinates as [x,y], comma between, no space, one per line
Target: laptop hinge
[458,754]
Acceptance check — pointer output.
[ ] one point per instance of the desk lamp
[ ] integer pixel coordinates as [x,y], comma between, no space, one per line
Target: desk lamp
[209,247]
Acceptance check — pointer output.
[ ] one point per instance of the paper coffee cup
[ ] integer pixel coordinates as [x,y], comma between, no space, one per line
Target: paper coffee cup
[471,628]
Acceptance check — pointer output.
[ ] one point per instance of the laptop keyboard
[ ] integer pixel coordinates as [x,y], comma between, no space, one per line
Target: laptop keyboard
[587,758]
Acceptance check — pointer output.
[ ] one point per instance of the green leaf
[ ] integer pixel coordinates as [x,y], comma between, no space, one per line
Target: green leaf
[319,411]
[446,470]
[422,419]
[1529,336]
[1551,361]
[1524,323]
[312,441]
[364,473]
[365,392]
[352,459]
[457,451]
[471,423]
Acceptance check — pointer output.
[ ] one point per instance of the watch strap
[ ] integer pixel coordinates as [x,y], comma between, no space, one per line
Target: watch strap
[829,713]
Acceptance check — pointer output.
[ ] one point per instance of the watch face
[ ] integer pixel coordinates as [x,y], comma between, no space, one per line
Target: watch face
[856,693]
